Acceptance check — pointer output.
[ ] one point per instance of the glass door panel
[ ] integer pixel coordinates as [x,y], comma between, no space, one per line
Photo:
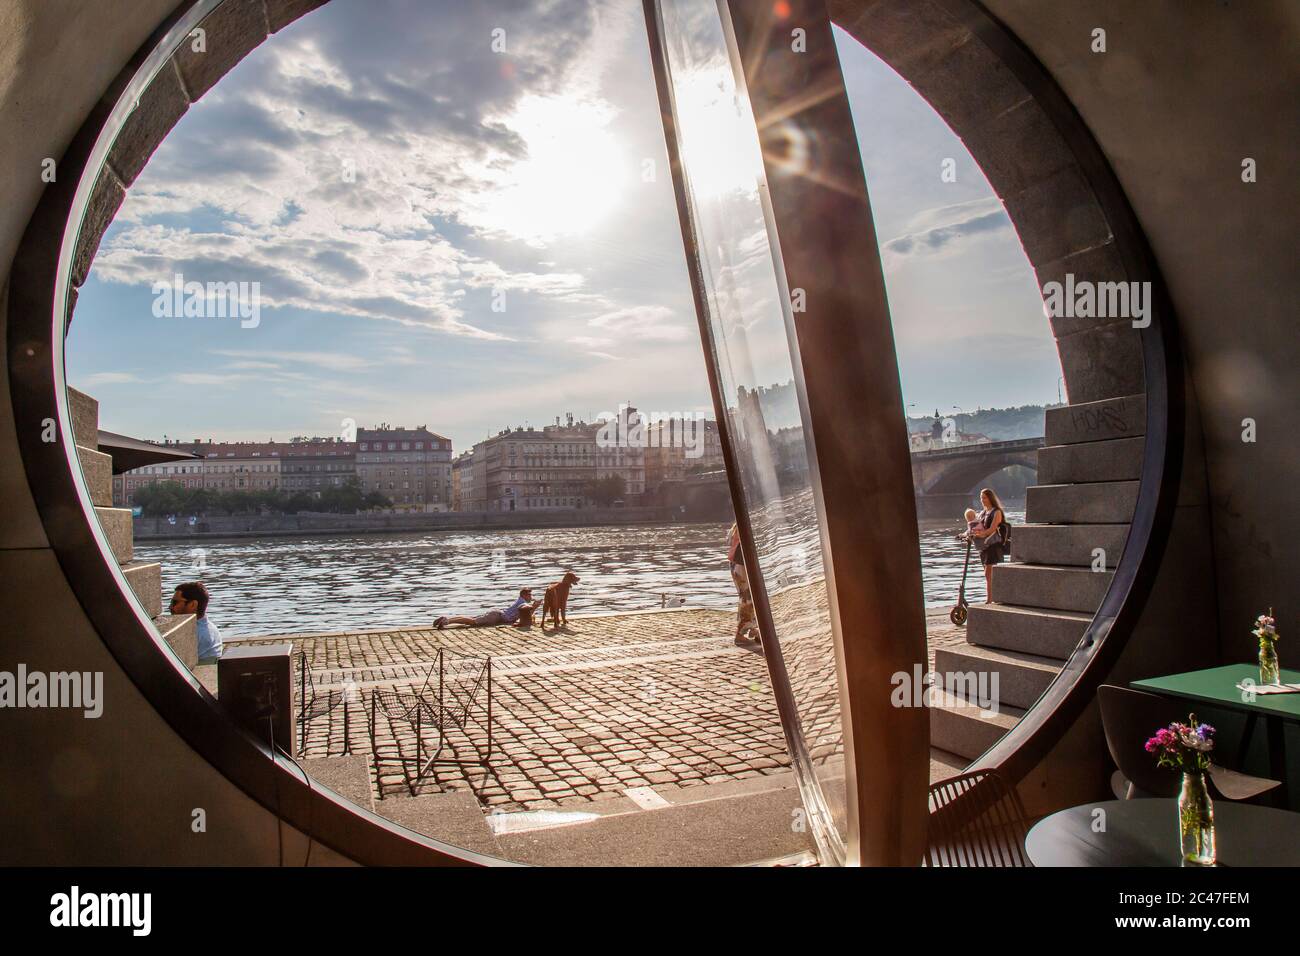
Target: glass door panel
[748,331]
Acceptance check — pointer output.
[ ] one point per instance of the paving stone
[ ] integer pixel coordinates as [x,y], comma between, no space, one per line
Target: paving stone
[570,721]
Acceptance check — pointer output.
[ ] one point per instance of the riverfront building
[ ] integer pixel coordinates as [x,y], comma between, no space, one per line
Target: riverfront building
[940,436]
[554,467]
[410,466]
[314,464]
[534,469]
[676,448]
[221,466]
[462,480]
[189,474]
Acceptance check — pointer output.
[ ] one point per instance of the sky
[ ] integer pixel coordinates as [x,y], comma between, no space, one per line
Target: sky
[449,235]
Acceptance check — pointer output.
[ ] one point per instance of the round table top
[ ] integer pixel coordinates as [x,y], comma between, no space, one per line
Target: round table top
[1144,832]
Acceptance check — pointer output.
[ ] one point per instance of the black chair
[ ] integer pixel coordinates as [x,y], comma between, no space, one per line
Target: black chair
[1130,718]
[976,819]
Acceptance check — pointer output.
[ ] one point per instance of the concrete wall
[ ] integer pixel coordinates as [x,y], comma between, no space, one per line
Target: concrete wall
[1185,92]
[119,789]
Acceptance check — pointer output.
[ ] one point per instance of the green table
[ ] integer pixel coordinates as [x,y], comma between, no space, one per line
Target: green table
[1218,686]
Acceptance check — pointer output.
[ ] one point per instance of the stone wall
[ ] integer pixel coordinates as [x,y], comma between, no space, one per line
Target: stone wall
[227,526]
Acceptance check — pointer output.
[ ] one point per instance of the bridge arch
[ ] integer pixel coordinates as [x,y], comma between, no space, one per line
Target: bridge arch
[960,475]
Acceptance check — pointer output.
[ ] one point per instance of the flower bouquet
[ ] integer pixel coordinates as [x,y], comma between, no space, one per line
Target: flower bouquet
[1186,748]
[1266,630]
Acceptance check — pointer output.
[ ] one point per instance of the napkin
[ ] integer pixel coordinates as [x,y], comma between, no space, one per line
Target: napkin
[1270,688]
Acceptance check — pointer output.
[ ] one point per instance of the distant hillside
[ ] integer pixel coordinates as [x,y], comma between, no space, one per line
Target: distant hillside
[999,424]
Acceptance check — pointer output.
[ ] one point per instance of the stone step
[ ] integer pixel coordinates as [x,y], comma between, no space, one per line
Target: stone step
[1021,678]
[1055,588]
[348,776]
[1063,544]
[944,764]
[1044,633]
[97,469]
[1102,502]
[960,727]
[145,578]
[84,412]
[1117,460]
[180,631]
[1108,418]
[454,817]
[116,523]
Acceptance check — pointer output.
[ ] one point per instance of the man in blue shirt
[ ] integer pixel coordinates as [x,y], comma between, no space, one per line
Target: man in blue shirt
[192,598]
[520,614]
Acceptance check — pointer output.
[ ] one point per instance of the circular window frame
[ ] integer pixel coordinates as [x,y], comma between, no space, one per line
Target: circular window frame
[42,293]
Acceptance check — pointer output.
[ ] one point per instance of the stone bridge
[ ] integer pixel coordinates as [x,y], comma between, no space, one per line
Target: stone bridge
[943,477]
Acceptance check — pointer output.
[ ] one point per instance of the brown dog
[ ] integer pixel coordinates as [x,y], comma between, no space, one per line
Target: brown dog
[556,602]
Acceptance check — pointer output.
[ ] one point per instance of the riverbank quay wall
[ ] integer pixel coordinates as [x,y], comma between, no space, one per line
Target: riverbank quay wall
[239,526]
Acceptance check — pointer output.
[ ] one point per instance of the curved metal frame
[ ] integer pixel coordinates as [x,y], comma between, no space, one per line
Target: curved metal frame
[38,293]
[37,310]
[1069,694]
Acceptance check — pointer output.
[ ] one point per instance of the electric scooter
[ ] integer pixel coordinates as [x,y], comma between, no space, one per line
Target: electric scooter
[960,611]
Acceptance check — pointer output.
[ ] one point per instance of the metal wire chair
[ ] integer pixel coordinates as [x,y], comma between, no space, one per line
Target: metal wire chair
[313,704]
[976,819]
[442,702]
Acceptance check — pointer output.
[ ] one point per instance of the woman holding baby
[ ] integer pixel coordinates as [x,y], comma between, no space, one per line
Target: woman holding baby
[985,528]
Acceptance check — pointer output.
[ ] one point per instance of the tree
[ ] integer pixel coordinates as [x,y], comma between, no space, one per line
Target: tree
[344,499]
[161,498]
[605,491]
[374,500]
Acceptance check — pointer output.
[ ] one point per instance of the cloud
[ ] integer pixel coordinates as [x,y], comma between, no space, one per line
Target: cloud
[331,361]
[591,341]
[348,166]
[98,379]
[642,323]
[937,230]
[206,378]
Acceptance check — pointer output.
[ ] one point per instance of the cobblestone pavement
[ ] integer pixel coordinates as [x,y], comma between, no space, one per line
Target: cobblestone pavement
[580,714]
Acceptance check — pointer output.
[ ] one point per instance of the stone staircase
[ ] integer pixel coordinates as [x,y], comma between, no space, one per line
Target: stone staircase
[1045,597]
[145,577]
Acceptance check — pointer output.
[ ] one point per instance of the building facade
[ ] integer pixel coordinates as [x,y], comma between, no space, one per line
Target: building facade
[462,481]
[677,448]
[620,451]
[553,468]
[189,474]
[942,435]
[532,469]
[314,464]
[221,466]
[409,466]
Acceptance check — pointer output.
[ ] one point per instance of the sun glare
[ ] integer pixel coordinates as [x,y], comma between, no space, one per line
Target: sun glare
[573,175]
[717,133]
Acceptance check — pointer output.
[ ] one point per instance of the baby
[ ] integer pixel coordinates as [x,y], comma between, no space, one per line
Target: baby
[972,523]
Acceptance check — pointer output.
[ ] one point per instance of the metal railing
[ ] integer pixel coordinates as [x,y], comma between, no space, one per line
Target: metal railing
[455,695]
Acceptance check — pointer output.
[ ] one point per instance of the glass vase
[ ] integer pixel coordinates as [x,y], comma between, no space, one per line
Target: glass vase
[1196,821]
[1268,668]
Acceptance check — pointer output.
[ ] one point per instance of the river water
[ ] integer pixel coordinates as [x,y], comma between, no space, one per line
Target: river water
[356,582]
